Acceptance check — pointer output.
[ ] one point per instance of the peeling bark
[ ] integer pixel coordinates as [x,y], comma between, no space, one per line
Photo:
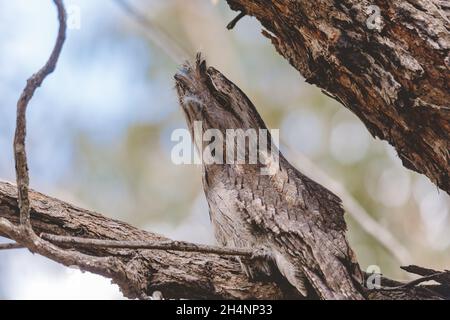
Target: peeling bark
[395,77]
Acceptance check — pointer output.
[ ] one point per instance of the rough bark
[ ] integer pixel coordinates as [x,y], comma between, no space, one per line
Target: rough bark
[140,272]
[177,275]
[395,77]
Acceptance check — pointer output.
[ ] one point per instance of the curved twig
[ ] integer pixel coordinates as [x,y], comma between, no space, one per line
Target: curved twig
[33,83]
[23,233]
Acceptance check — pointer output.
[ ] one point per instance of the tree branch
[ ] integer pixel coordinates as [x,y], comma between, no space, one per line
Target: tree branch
[443,279]
[23,233]
[181,246]
[33,83]
[9,246]
[138,272]
[434,276]
[394,77]
[176,274]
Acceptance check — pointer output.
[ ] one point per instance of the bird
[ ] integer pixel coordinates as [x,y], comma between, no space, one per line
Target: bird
[294,225]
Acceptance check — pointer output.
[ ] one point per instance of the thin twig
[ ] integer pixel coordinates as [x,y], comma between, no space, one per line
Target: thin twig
[233,22]
[33,83]
[9,246]
[418,281]
[166,245]
[353,208]
[421,271]
[24,232]
[158,36]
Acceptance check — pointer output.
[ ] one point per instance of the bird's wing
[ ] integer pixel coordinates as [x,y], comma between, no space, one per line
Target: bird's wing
[305,223]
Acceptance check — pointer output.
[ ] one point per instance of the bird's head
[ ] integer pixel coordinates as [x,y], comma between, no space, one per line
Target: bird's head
[206,95]
[209,98]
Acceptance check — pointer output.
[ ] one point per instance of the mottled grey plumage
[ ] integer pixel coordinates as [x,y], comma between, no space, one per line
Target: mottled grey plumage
[295,222]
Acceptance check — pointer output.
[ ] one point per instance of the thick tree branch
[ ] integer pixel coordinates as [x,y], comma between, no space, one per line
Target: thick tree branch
[138,272]
[176,274]
[394,77]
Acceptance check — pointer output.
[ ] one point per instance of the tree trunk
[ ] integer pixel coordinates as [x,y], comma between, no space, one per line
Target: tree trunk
[394,74]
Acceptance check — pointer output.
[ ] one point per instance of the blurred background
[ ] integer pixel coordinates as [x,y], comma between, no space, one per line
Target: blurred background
[99,135]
